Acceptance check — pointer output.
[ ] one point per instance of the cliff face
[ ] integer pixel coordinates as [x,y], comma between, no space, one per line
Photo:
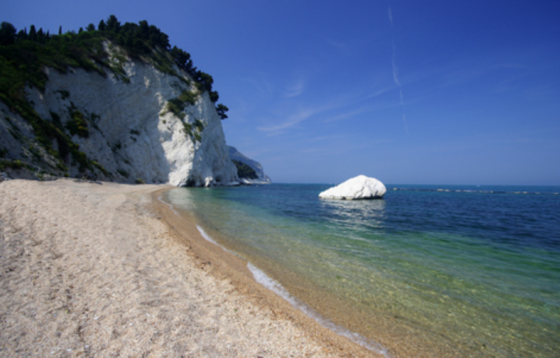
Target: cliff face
[126,126]
[262,178]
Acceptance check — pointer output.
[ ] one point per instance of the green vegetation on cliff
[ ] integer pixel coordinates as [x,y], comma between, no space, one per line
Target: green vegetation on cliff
[25,54]
[244,171]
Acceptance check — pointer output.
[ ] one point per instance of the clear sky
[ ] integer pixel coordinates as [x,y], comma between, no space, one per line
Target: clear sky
[409,92]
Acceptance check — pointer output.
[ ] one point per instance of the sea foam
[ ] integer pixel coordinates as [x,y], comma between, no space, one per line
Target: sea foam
[160,198]
[207,237]
[277,288]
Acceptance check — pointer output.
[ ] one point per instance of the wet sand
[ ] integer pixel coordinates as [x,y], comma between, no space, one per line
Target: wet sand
[103,269]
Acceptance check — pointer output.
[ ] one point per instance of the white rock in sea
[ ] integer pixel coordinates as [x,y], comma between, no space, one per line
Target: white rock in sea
[357,188]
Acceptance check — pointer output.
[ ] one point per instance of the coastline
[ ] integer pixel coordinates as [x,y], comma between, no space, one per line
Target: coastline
[100,269]
[367,325]
[215,259]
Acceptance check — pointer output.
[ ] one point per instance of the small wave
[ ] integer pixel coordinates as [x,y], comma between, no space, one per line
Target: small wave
[201,230]
[160,198]
[275,287]
[206,236]
[209,238]
[475,191]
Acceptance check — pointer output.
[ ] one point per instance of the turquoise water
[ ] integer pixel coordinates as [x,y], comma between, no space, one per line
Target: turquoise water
[472,268]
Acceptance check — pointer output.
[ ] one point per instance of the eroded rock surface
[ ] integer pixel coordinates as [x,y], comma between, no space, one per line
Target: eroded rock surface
[357,188]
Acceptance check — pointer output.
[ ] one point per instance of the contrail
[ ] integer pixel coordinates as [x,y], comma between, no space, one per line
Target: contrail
[396,71]
[395,68]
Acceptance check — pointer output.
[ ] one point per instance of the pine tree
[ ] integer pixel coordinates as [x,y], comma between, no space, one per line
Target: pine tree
[7,33]
[206,80]
[60,30]
[182,58]
[40,36]
[32,33]
[214,96]
[22,34]
[113,24]
[221,109]
[144,30]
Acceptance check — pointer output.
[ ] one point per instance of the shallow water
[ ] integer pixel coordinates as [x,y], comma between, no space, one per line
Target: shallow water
[475,268]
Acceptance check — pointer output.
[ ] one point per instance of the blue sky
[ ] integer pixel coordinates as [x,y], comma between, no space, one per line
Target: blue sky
[409,92]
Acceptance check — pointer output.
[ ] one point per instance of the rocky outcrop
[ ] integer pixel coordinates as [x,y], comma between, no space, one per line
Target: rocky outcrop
[357,188]
[261,178]
[126,126]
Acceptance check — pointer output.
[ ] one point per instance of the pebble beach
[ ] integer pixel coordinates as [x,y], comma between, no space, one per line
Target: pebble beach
[106,270]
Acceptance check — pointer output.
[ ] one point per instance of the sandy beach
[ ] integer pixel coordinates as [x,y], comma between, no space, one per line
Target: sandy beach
[106,270]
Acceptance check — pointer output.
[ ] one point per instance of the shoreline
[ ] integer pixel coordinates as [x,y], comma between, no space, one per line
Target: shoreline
[394,334]
[101,269]
[226,264]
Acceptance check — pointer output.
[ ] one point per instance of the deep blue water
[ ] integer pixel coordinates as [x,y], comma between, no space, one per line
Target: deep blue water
[500,214]
[479,265]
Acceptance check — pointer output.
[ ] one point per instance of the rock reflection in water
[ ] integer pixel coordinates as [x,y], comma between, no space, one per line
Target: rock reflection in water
[355,212]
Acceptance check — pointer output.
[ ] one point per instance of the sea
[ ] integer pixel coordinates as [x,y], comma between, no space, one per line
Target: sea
[463,270]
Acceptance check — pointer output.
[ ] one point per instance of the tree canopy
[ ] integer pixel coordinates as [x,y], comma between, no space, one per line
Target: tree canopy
[7,33]
[25,54]
[221,109]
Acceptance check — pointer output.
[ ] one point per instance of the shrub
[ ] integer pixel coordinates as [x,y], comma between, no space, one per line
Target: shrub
[188,97]
[199,125]
[194,130]
[100,167]
[221,109]
[35,152]
[174,106]
[214,96]
[78,124]
[187,127]
[62,167]
[122,172]
[177,105]
[65,94]
[14,164]
[81,159]
[17,164]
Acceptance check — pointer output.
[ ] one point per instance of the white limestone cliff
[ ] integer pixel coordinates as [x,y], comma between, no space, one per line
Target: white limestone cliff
[357,188]
[131,134]
[262,178]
